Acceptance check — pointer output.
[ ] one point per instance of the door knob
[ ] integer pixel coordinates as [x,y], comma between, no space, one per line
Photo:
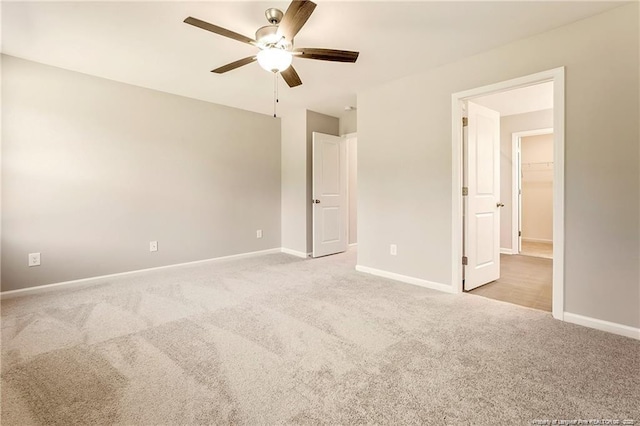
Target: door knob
[315,201]
[499,205]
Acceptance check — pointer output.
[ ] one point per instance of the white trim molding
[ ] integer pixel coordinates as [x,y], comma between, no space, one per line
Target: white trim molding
[86,281]
[406,279]
[536,240]
[610,327]
[505,251]
[295,253]
[557,76]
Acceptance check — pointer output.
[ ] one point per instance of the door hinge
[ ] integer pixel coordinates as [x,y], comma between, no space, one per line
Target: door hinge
[465,260]
[519,233]
[465,190]
[465,121]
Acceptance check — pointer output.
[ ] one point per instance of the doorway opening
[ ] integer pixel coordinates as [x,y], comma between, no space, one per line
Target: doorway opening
[503,172]
[532,195]
[526,266]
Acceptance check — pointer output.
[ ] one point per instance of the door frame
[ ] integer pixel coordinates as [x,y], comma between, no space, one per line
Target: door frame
[516,167]
[347,136]
[557,76]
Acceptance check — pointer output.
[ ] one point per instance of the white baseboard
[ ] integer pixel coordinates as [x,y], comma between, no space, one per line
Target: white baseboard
[506,251]
[537,240]
[406,279]
[295,253]
[353,244]
[611,327]
[84,281]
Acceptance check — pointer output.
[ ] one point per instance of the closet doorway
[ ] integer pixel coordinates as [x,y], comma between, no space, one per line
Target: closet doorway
[533,193]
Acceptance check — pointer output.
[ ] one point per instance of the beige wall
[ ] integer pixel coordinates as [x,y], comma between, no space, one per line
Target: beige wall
[294,181]
[93,170]
[537,188]
[348,122]
[404,161]
[509,125]
[352,150]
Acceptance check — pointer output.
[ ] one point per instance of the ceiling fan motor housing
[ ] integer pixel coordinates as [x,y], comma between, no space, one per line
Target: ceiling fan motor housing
[274,16]
[267,36]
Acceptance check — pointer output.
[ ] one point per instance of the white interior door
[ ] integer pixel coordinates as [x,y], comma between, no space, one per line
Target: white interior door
[482,216]
[330,204]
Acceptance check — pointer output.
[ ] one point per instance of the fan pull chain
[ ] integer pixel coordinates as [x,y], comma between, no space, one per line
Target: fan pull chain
[275,92]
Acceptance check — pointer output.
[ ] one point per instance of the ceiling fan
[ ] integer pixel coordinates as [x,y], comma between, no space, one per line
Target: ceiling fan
[275,42]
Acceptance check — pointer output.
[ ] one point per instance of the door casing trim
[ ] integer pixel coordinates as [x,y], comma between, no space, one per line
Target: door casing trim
[557,76]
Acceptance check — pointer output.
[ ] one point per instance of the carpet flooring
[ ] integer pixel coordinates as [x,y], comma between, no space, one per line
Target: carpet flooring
[281,340]
[537,249]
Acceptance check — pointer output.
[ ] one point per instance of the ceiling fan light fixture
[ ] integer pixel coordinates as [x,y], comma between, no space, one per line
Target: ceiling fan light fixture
[275,42]
[274,59]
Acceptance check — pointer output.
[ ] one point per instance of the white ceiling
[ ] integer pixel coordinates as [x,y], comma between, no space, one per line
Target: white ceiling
[520,101]
[147,44]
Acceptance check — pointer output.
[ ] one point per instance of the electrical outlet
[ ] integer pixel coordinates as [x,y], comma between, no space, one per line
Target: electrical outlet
[259,233]
[34,259]
[393,249]
[153,246]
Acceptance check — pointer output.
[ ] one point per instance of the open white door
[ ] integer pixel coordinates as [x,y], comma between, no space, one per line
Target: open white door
[330,205]
[482,215]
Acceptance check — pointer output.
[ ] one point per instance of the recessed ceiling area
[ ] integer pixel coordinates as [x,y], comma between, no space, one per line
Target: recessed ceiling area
[147,44]
[519,101]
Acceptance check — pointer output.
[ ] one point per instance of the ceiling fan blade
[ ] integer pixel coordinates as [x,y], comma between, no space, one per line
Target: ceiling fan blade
[295,17]
[234,65]
[219,30]
[291,77]
[327,54]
